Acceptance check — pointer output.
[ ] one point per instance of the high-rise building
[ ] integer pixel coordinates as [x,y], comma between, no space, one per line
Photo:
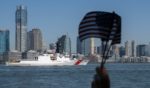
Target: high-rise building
[127,49]
[63,45]
[115,50]
[79,48]
[30,40]
[87,46]
[122,51]
[147,50]
[21,28]
[35,40]
[133,49]
[4,41]
[141,50]
[92,45]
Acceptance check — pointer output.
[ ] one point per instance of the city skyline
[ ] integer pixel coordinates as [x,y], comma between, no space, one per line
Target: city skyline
[65,16]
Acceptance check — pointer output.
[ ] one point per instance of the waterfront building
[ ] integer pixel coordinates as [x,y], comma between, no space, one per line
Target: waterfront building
[87,46]
[52,47]
[12,56]
[1,58]
[79,48]
[141,50]
[122,51]
[30,55]
[133,49]
[63,45]
[92,45]
[115,50]
[4,41]
[30,40]
[127,49]
[35,40]
[21,28]
[147,50]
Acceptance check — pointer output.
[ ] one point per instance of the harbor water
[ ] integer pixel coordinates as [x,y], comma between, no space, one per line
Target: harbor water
[129,75]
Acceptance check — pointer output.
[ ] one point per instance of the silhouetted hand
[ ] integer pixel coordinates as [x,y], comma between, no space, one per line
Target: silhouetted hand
[101,78]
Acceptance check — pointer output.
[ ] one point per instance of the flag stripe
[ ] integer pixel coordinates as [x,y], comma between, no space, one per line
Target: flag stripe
[104,25]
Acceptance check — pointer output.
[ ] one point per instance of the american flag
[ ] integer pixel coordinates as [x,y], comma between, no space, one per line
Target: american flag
[104,25]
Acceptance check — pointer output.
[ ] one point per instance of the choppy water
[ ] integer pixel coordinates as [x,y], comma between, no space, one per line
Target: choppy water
[121,75]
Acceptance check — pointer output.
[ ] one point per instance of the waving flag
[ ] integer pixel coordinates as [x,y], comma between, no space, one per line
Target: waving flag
[104,25]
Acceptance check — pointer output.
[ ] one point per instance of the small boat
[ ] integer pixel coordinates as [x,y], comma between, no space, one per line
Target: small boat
[49,60]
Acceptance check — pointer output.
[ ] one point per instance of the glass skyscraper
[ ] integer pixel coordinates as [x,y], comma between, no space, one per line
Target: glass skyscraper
[141,50]
[4,41]
[21,28]
[87,46]
[64,45]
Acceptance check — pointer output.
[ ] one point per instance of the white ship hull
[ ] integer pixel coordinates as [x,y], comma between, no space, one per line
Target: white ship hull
[47,61]
[32,63]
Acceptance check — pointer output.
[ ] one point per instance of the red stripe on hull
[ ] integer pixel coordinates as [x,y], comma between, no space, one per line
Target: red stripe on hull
[78,62]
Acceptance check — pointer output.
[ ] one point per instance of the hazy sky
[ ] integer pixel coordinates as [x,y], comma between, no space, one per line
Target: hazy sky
[58,17]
